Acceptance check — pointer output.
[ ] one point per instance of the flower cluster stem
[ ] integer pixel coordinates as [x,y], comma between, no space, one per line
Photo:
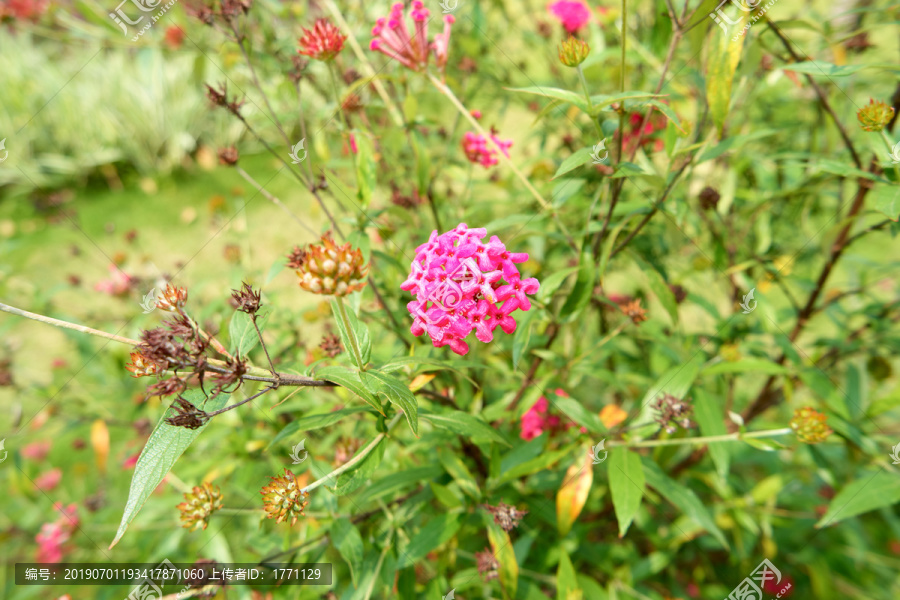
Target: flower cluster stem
[730,437]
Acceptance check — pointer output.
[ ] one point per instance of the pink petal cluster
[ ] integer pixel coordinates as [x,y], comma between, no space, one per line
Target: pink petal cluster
[572,14]
[118,283]
[392,37]
[456,279]
[52,537]
[49,480]
[36,451]
[479,151]
[537,419]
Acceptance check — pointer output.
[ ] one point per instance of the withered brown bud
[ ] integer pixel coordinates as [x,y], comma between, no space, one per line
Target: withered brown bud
[331,345]
[188,415]
[296,258]
[246,300]
[228,156]
[709,198]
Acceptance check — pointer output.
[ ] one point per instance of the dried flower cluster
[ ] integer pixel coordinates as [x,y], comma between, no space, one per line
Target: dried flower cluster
[506,516]
[673,413]
[809,425]
[283,499]
[487,565]
[323,42]
[329,269]
[199,504]
[392,37]
[481,152]
[456,279]
[219,97]
[246,299]
[632,308]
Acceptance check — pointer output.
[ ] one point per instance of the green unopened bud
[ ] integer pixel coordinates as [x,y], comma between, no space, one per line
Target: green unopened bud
[573,51]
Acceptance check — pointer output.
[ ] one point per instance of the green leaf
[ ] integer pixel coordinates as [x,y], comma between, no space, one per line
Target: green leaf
[574,161]
[522,337]
[462,423]
[315,422]
[553,283]
[346,538]
[886,200]
[541,462]
[459,472]
[734,143]
[358,330]
[576,411]
[868,492]
[445,495]
[819,68]
[365,169]
[242,333]
[659,286]
[626,483]
[668,112]
[436,532]
[722,62]
[395,482]
[601,101]
[711,420]
[503,551]
[432,364]
[165,445]
[551,92]
[349,481]
[566,581]
[398,394]
[350,379]
[746,365]
[682,498]
[583,289]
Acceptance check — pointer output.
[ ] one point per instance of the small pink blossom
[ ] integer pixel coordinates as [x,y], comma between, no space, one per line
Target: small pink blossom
[353,147]
[457,280]
[36,450]
[53,536]
[392,37]
[131,461]
[537,419]
[572,14]
[479,151]
[49,480]
[118,283]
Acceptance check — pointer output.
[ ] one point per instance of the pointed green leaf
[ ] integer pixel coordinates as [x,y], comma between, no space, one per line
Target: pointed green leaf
[397,393]
[868,492]
[350,379]
[626,484]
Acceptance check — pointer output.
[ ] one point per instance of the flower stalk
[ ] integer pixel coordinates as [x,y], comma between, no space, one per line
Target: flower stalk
[730,437]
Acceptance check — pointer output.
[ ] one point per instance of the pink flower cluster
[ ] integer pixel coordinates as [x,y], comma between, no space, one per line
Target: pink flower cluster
[53,536]
[392,37]
[537,420]
[479,151]
[118,284]
[456,279]
[572,14]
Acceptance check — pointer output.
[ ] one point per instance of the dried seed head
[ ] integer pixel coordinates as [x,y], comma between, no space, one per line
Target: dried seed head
[673,412]
[199,504]
[487,565]
[634,311]
[187,415]
[709,198]
[809,425]
[228,156]
[246,300]
[329,269]
[874,116]
[172,299]
[506,516]
[331,345]
[283,499]
[167,387]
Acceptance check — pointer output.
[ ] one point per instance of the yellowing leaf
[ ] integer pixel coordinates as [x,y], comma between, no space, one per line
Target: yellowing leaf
[722,62]
[502,549]
[611,415]
[100,443]
[421,381]
[574,492]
